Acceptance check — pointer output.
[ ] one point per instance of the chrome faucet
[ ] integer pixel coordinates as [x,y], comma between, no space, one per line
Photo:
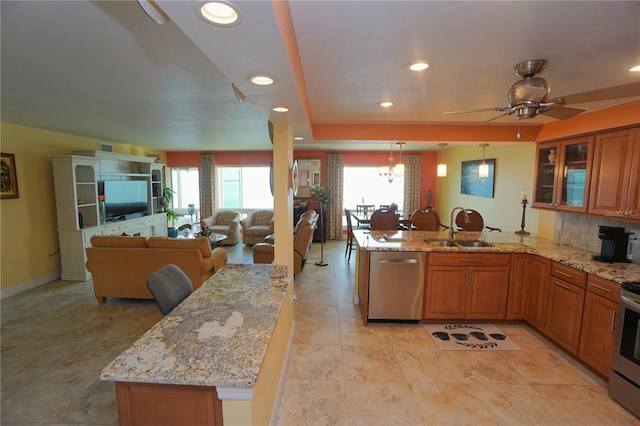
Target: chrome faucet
[452,224]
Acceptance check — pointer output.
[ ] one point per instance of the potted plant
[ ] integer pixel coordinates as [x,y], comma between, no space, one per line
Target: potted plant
[167,196]
[324,196]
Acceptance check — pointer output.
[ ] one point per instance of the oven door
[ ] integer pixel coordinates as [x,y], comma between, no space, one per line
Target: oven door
[626,356]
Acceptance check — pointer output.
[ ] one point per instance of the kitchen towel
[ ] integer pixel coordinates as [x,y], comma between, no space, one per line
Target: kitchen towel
[470,337]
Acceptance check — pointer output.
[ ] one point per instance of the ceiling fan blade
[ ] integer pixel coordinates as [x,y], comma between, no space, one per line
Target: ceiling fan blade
[562,113]
[615,92]
[498,109]
[500,116]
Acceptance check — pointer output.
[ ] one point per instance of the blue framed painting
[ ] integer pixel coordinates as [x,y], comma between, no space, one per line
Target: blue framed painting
[472,184]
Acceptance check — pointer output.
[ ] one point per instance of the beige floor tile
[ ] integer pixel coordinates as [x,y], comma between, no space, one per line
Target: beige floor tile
[543,366]
[317,332]
[407,335]
[309,310]
[516,405]
[313,403]
[371,364]
[449,404]
[348,311]
[315,362]
[427,365]
[354,332]
[485,367]
[524,336]
[381,403]
[586,405]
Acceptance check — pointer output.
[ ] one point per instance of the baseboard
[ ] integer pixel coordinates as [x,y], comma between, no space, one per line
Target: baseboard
[28,285]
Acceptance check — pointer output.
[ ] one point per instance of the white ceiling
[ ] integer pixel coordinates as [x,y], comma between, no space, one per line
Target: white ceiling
[103,69]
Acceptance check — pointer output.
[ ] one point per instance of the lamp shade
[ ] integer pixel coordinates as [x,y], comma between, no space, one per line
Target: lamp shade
[483,170]
[442,170]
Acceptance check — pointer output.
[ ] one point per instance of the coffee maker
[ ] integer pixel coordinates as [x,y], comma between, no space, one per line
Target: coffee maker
[614,244]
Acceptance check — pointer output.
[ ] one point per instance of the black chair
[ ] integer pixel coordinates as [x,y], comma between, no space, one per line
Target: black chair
[350,243]
[169,286]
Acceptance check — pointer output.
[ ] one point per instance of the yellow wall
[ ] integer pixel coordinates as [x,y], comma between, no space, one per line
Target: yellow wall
[514,172]
[28,233]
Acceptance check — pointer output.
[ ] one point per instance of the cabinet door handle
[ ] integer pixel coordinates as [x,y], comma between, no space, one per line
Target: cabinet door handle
[613,320]
[600,287]
[471,282]
[515,268]
[561,285]
[562,273]
[466,279]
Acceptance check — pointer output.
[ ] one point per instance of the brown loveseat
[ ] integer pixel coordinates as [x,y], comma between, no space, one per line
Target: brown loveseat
[302,239]
[120,265]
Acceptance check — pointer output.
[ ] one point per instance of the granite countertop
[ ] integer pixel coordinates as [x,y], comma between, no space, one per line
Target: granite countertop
[217,337]
[502,242]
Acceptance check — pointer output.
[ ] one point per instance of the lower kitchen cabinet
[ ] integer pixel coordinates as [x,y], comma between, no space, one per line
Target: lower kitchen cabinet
[599,324]
[564,306]
[518,278]
[471,286]
[537,284]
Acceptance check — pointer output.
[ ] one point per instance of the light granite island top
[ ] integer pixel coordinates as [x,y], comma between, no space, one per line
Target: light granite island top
[501,242]
[217,337]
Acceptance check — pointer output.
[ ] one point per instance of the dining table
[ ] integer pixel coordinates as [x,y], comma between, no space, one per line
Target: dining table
[404,221]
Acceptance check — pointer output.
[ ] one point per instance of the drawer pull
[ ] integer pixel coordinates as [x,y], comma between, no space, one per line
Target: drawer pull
[472,260]
[562,285]
[599,287]
[613,320]
[515,268]
[562,273]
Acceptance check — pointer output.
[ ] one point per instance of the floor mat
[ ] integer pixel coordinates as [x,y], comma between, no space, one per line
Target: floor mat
[470,337]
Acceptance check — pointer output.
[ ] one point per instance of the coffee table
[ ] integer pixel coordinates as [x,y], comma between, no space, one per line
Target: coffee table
[215,239]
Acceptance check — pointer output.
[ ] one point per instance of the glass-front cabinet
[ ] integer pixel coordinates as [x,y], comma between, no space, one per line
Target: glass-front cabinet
[563,174]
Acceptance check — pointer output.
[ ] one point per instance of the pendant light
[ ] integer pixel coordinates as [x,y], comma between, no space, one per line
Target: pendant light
[483,170]
[392,171]
[442,167]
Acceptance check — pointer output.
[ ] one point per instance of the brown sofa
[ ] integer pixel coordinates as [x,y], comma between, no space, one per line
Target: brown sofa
[120,265]
[302,239]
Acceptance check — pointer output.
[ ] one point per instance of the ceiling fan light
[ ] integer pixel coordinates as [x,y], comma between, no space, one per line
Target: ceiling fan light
[219,13]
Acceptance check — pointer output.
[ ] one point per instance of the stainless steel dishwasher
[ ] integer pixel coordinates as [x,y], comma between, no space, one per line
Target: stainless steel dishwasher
[396,285]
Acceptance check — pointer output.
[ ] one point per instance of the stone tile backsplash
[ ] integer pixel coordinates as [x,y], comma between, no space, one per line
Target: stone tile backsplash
[582,231]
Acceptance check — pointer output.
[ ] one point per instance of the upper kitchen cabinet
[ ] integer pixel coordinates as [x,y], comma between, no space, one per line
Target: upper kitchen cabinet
[615,184]
[563,173]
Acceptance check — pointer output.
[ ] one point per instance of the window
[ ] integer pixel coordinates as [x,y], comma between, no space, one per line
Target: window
[364,185]
[186,185]
[243,188]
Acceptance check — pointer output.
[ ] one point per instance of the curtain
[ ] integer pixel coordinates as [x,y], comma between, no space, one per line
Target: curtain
[334,181]
[207,184]
[412,165]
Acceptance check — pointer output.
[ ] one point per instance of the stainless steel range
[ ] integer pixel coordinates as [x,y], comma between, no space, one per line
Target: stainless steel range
[624,382]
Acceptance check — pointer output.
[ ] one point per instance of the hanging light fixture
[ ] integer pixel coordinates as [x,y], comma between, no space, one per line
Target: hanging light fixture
[483,170]
[442,167]
[392,171]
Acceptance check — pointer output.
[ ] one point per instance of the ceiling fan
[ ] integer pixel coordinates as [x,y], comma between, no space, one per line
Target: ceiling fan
[529,96]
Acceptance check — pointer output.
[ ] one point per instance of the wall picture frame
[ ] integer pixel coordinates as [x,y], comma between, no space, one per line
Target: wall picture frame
[8,176]
[472,184]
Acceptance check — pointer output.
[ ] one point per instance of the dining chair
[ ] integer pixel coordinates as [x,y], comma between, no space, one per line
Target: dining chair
[471,221]
[169,286]
[350,243]
[427,220]
[365,209]
[384,220]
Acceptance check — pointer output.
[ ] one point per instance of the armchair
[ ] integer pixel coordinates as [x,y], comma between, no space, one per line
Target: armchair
[257,225]
[225,222]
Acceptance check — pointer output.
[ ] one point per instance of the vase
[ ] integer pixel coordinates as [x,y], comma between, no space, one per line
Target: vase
[103,214]
[552,156]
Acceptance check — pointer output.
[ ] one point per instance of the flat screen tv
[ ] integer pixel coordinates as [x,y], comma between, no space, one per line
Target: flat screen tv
[125,197]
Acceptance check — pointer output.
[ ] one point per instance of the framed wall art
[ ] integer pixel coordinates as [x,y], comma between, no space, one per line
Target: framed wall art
[472,184]
[8,176]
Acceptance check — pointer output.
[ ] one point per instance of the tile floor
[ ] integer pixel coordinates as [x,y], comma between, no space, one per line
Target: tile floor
[56,339]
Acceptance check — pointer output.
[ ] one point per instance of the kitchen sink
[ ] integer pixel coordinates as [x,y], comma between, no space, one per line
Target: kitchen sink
[460,243]
[473,243]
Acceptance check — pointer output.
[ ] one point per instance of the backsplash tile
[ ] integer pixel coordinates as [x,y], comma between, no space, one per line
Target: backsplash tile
[582,231]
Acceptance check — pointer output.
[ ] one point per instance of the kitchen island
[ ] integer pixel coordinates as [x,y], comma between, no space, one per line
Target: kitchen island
[215,359]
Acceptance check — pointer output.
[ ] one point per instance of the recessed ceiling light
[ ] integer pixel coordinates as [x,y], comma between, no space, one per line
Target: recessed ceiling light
[220,13]
[298,138]
[419,66]
[261,80]
[635,69]
[280,109]
[387,104]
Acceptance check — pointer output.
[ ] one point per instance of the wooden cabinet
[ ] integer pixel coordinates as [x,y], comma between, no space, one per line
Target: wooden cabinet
[537,286]
[473,285]
[518,278]
[615,183]
[599,324]
[564,306]
[563,173]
